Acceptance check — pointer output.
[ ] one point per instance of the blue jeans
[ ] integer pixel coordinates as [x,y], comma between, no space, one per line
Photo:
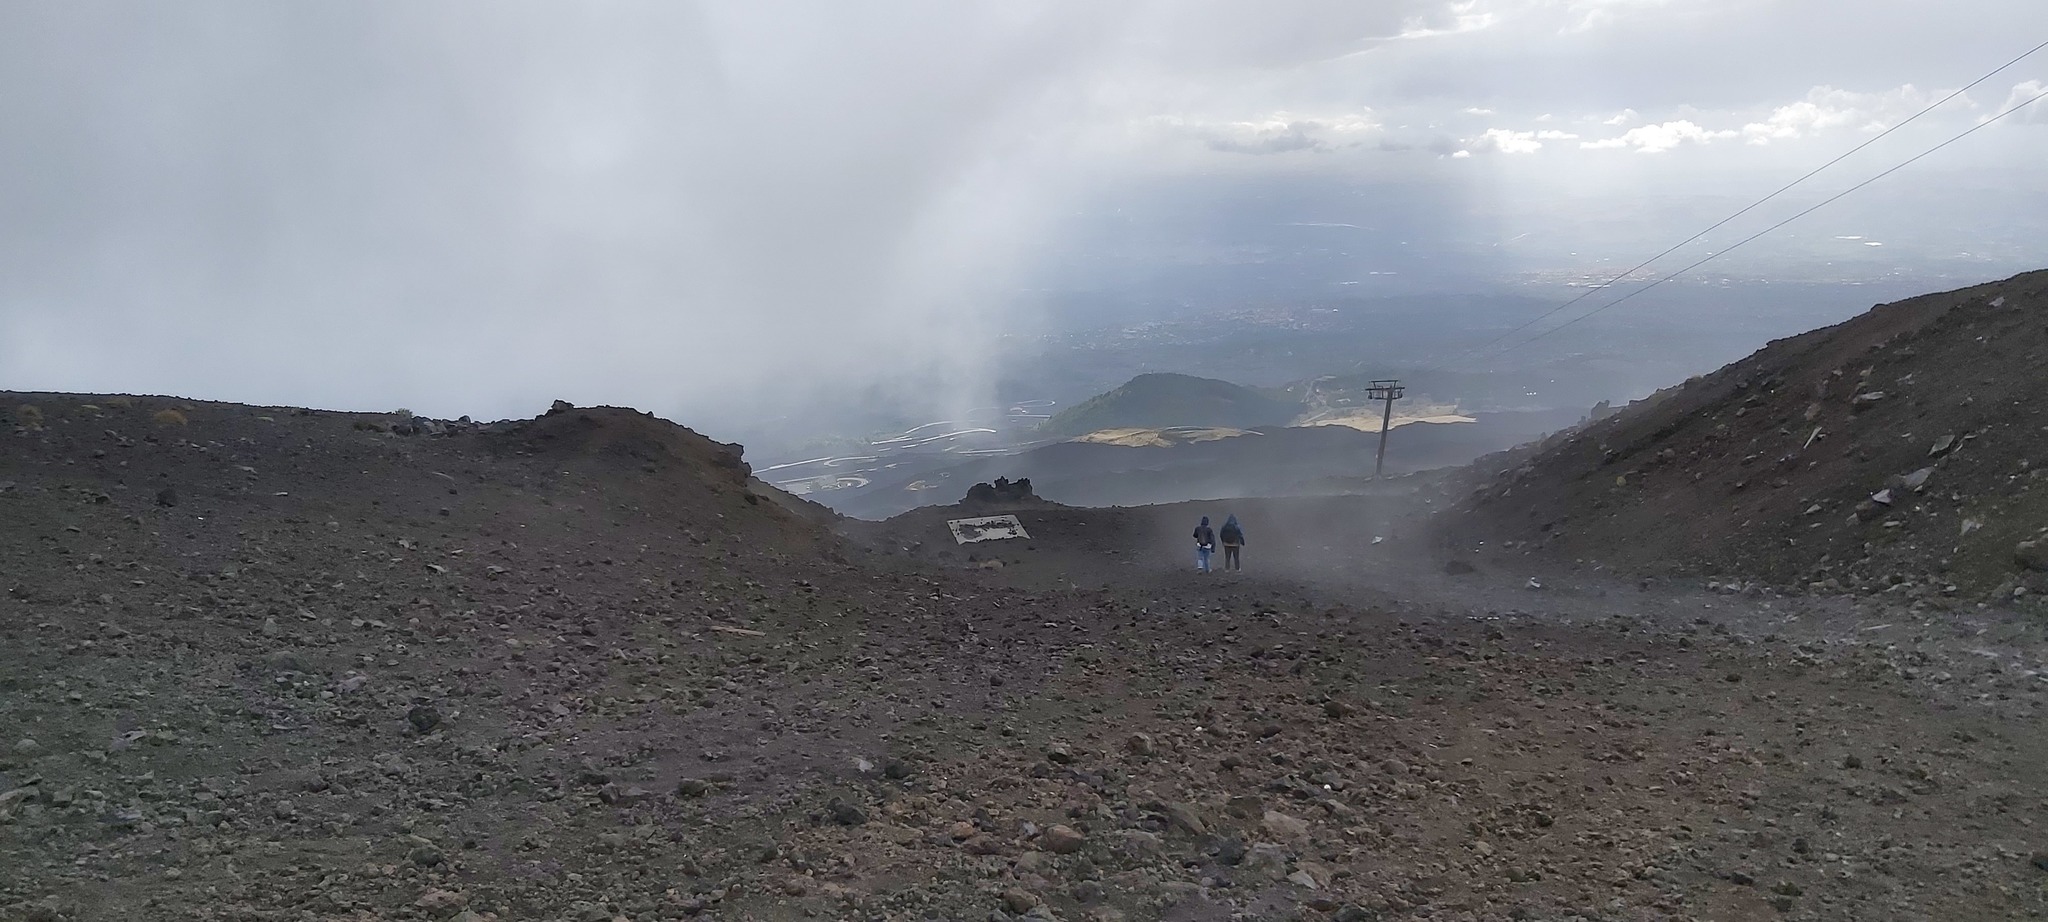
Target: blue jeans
[1202,558]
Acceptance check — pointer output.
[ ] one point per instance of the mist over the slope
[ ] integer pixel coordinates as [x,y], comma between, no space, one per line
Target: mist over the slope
[774,218]
[705,210]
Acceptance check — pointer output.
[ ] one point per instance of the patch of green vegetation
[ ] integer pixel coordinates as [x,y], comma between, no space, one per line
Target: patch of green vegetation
[1161,401]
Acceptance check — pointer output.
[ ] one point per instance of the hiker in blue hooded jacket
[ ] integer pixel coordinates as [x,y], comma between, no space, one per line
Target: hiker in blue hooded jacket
[1233,544]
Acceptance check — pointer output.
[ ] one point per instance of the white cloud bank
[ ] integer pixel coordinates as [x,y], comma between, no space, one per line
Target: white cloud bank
[1656,139]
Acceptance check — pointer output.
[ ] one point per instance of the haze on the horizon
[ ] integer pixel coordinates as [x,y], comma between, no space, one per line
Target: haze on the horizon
[723,209]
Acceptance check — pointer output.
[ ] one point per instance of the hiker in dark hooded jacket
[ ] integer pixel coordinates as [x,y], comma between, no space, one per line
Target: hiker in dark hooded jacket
[1233,543]
[1205,542]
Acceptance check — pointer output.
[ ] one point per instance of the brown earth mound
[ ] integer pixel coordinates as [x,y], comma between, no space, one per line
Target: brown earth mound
[1902,451]
[149,461]
[621,436]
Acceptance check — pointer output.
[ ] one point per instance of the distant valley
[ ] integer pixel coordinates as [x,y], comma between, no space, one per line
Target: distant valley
[1160,398]
[1161,438]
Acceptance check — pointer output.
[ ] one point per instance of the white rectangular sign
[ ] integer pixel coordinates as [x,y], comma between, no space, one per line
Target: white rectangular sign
[986,528]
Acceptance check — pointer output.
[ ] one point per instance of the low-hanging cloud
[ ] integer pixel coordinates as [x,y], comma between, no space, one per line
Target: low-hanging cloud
[1508,141]
[1656,139]
[727,210]
[2024,101]
[466,209]
[1278,133]
[1827,108]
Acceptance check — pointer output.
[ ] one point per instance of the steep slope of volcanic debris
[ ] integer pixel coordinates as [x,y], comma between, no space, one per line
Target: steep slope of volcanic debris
[261,664]
[1902,451]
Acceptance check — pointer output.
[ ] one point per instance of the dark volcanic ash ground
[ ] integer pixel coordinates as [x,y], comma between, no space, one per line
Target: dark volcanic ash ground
[270,664]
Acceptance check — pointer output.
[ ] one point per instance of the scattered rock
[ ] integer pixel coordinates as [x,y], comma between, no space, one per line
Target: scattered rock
[693,787]
[1184,817]
[1061,840]
[1019,901]
[1265,860]
[1283,826]
[282,661]
[2031,555]
[617,796]
[441,903]
[424,718]
[846,814]
[1140,744]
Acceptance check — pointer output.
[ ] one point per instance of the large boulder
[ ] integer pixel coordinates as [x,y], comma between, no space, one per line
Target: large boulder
[1003,490]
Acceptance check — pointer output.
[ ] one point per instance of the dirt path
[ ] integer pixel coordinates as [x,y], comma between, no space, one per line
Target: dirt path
[1821,758]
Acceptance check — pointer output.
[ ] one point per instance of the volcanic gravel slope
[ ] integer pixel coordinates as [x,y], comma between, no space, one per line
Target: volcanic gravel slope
[272,664]
[1904,450]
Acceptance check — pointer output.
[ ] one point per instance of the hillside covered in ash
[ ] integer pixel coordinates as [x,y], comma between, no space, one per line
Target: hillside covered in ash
[1902,451]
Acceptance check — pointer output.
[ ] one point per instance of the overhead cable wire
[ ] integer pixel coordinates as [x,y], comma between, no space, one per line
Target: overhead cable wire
[1816,207]
[1756,204]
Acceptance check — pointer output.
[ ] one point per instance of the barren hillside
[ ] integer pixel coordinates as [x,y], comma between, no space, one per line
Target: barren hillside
[1901,451]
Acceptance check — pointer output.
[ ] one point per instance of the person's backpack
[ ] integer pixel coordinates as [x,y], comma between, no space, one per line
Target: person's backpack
[1233,534]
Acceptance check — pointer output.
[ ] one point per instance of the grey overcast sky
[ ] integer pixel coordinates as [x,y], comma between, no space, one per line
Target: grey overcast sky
[711,209]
